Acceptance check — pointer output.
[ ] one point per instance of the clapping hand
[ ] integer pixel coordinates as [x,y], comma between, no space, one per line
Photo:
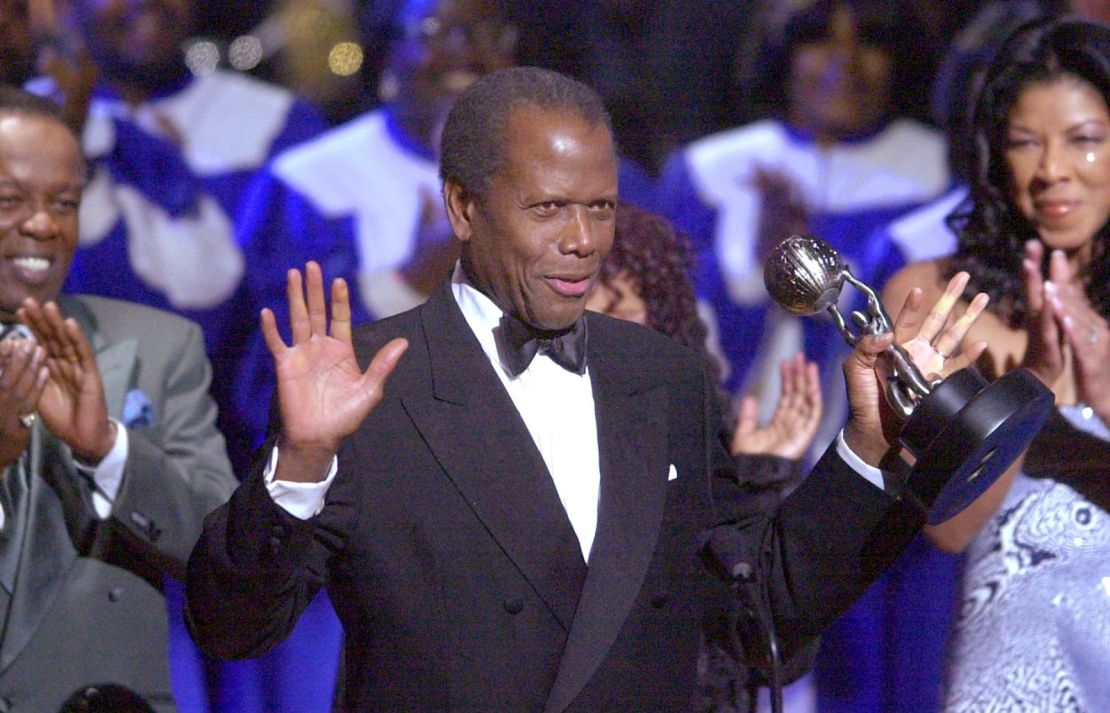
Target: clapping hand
[22,378]
[435,250]
[323,395]
[931,338]
[72,404]
[782,210]
[1064,328]
[794,422]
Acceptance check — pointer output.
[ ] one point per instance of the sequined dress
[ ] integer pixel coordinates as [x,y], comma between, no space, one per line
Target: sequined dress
[1033,631]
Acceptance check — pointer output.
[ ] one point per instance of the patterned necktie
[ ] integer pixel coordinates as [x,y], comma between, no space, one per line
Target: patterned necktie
[522,341]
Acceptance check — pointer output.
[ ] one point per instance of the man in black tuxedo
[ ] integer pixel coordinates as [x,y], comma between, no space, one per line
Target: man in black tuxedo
[517,520]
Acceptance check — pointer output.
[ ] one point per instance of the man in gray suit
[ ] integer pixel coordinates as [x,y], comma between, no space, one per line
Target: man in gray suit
[108,445]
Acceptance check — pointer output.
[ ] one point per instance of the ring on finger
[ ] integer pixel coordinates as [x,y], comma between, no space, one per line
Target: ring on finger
[28,419]
[1092,336]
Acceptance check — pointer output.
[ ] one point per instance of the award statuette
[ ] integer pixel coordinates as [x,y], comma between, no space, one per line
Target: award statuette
[962,431]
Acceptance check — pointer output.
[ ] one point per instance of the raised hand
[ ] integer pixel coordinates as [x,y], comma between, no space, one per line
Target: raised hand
[1045,353]
[72,404]
[1082,331]
[22,377]
[435,250]
[73,70]
[323,395]
[793,424]
[782,210]
[931,338]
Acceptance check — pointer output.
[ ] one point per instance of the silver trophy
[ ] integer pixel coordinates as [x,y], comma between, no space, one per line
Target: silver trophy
[962,431]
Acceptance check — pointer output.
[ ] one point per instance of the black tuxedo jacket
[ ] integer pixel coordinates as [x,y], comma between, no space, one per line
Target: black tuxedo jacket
[459,579]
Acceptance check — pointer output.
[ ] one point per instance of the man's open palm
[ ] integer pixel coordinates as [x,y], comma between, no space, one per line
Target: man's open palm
[322,393]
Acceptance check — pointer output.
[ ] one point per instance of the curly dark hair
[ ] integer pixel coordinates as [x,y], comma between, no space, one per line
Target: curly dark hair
[471,146]
[990,228]
[657,259]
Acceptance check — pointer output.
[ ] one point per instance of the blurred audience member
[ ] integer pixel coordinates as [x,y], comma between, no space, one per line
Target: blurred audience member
[646,279]
[1032,632]
[109,452]
[760,59]
[837,164]
[665,68]
[364,199]
[16,52]
[171,153]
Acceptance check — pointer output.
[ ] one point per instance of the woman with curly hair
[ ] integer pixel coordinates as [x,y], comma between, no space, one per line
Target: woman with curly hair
[1033,631]
[649,267]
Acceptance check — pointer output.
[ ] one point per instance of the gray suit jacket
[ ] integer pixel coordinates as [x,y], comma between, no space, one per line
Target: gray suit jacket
[87,606]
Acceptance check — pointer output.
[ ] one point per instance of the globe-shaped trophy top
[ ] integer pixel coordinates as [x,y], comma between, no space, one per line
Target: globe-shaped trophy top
[804,274]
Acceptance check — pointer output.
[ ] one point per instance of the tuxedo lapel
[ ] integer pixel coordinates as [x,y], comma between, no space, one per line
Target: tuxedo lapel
[632,440]
[475,432]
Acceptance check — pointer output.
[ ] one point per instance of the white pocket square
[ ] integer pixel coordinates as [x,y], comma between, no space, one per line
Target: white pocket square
[672,474]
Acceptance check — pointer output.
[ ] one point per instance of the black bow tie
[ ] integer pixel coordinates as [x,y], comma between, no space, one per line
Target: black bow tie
[521,342]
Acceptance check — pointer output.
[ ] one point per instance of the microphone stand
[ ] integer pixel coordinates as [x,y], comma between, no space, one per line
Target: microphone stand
[755,612]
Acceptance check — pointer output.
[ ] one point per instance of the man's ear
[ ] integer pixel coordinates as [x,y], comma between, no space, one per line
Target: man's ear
[461,207]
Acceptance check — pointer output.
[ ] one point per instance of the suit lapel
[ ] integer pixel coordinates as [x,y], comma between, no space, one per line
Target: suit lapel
[475,432]
[48,534]
[632,441]
[117,361]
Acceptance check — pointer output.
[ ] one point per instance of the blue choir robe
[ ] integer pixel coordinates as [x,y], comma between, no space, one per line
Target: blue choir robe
[352,200]
[167,180]
[850,190]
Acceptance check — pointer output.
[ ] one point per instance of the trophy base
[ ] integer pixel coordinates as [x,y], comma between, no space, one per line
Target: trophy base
[967,432]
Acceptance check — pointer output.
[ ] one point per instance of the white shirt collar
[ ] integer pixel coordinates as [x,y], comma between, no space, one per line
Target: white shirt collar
[481,313]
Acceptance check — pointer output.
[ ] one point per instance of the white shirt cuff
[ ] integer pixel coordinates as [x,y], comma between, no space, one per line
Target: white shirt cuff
[107,475]
[301,500]
[869,472]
